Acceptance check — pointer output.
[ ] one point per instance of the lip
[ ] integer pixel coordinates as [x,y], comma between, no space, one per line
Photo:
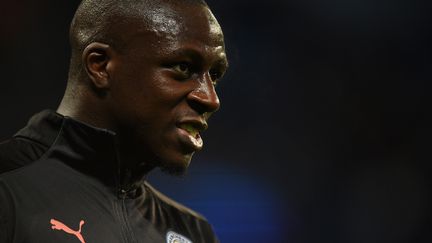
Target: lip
[189,142]
[199,124]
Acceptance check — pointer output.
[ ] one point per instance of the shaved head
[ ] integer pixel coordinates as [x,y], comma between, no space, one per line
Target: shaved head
[146,70]
[104,21]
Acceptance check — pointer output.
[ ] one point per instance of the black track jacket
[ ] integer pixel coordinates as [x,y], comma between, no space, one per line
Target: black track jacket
[72,192]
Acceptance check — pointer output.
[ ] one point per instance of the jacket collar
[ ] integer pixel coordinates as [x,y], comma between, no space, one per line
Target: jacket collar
[90,150]
[42,127]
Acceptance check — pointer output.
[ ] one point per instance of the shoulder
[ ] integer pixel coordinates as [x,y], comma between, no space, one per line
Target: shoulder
[31,142]
[186,220]
[7,212]
[170,204]
[17,152]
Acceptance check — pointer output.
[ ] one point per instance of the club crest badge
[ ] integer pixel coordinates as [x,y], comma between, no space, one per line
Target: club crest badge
[173,237]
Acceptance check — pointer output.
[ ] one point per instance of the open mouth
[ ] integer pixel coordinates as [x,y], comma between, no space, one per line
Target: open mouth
[190,134]
[189,128]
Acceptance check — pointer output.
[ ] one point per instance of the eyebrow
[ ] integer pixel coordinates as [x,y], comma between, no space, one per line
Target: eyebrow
[197,56]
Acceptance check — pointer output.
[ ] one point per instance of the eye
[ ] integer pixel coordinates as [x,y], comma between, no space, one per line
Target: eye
[215,76]
[183,69]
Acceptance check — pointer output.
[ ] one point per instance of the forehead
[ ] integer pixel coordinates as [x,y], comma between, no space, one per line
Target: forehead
[168,26]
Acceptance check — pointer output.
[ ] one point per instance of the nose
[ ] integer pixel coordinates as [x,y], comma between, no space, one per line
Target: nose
[204,99]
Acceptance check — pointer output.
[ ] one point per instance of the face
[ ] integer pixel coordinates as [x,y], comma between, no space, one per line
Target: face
[163,85]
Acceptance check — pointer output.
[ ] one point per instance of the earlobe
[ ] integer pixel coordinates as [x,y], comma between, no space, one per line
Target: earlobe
[95,58]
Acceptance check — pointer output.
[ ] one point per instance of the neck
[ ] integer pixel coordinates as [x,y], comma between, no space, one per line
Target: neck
[86,107]
[83,105]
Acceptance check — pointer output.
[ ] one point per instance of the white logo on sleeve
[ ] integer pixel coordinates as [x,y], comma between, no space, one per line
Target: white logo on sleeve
[173,237]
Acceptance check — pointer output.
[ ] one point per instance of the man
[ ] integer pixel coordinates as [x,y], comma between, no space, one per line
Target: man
[140,91]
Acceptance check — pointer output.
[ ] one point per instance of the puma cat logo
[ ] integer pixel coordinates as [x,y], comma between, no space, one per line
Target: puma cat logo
[57,225]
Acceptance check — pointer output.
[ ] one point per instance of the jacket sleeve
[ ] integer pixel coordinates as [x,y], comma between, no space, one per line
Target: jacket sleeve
[6,214]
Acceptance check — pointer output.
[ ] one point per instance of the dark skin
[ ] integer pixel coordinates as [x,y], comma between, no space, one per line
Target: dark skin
[158,93]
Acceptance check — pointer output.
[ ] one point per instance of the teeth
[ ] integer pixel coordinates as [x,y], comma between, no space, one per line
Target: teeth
[190,129]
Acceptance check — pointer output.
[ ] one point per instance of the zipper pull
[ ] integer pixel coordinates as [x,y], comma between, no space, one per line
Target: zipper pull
[121,194]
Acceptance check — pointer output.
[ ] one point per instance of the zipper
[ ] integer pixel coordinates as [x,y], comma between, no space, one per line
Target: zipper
[126,230]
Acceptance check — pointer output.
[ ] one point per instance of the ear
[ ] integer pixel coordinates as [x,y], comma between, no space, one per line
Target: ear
[96,57]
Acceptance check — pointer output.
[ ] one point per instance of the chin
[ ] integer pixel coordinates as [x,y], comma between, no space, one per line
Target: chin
[177,167]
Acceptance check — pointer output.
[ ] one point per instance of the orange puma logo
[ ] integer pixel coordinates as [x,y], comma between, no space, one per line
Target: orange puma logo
[57,225]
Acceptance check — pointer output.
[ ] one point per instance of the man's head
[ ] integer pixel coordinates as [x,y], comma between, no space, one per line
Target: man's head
[146,69]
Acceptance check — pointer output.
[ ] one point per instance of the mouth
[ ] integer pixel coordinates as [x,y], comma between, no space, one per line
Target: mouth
[190,136]
[189,128]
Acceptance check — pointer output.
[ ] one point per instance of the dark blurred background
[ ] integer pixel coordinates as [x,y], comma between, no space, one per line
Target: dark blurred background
[324,133]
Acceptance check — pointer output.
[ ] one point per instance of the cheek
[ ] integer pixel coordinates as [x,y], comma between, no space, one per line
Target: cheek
[142,109]
[149,97]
